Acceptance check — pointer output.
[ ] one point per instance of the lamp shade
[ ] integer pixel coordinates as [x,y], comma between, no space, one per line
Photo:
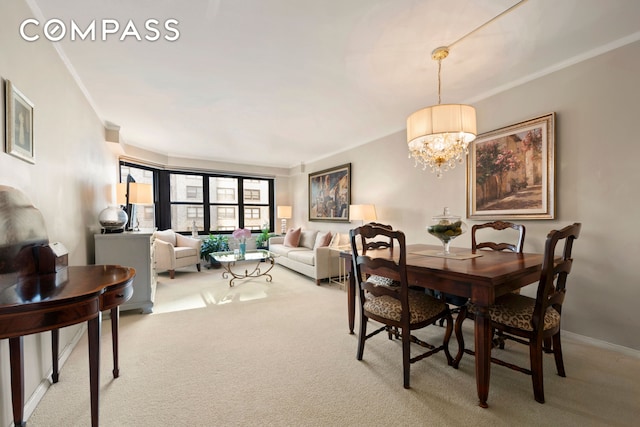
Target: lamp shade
[284,212]
[440,119]
[140,194]
[364,213]
[121,193]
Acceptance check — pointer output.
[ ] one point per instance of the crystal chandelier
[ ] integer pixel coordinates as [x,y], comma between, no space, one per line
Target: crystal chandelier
[439,136]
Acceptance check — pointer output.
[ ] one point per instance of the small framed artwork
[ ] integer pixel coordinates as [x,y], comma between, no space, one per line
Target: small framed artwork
[511,172]
[330,194]
[19,124]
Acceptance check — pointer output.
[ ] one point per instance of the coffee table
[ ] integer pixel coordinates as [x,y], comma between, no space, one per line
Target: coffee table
[230,259]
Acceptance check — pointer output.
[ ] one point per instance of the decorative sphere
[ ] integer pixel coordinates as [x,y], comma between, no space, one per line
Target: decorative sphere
[113,218]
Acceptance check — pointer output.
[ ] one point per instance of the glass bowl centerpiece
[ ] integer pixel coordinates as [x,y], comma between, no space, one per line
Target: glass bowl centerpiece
[446,227]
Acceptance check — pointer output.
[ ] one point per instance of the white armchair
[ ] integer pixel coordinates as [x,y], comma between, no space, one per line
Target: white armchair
[173,250]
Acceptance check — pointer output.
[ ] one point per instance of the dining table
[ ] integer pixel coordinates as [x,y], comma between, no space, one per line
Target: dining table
[480,275]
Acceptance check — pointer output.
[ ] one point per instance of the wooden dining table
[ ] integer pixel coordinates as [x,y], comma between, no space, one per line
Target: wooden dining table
[481,278]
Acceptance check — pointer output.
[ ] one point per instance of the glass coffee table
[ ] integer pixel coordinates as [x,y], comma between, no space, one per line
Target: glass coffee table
[230,259]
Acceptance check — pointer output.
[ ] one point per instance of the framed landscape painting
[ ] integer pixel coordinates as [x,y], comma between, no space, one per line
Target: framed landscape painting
[18,124]
[511,172]
[330,194]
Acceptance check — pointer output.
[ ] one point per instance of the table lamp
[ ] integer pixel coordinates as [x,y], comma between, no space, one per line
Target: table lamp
[284,212]
[364,213]
[139,194]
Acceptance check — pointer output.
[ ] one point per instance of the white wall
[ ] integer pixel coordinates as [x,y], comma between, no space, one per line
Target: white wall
[597,182]
[70,181]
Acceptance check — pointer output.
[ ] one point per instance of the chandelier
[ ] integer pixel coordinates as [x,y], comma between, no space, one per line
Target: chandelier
[438,136]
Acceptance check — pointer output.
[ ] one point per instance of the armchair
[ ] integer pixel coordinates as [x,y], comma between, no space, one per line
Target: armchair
[173,250]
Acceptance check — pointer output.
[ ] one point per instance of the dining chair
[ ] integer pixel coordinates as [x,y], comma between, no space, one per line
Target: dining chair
[475,245]
[533,321]
[395,306]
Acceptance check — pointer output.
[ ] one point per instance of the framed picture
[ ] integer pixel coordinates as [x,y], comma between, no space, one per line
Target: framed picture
[330,194]
[19,124]
[511,172]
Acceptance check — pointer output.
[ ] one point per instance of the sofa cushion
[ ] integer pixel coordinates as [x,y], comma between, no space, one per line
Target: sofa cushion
[308,238]
[305,256]
[292,238]
[283,250]
[168,236]
[340,240]
[184,252]
[322,239]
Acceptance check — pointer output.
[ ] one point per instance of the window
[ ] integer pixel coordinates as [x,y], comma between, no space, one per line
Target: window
[251,194]
[213,203]
[193,213]
[251,213]
[226,213]
[225,194]
[194,192]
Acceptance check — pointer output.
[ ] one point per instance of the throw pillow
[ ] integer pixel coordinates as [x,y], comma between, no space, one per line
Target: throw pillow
[323,239]
[308,238]
[292,238]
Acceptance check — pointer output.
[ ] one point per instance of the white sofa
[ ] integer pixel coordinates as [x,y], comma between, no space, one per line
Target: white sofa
[173,250]
[308,258]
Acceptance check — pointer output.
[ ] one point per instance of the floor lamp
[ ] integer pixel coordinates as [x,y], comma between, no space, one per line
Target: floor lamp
[284,213]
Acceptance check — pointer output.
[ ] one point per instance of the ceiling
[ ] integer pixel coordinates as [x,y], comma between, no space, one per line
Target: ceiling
[284,82]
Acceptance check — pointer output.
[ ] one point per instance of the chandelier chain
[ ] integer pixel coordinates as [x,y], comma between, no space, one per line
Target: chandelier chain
[439,81]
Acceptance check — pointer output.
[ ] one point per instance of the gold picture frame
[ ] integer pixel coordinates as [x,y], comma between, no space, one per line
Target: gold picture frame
[511,172]
[19,124]
[330,194]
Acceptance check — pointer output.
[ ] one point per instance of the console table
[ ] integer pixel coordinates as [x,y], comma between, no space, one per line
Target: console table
[47,302]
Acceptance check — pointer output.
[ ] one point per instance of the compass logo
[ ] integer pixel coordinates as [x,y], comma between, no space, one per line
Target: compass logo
[56,29]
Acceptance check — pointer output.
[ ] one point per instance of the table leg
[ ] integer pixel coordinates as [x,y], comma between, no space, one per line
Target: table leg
[115,320]
[351,301]
[94,367]
[55,345]
[17,380]
[483,353]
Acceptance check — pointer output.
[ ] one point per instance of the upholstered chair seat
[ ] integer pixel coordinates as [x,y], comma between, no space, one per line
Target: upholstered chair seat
[516,311]
[421,307]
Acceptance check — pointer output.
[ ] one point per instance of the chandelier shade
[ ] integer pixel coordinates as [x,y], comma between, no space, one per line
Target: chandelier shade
[438,136]
[442,118]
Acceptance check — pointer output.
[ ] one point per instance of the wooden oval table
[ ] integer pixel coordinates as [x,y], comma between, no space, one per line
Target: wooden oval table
[46,302]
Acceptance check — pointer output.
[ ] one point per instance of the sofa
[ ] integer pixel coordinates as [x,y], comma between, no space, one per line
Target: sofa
[313,253]
[172,250]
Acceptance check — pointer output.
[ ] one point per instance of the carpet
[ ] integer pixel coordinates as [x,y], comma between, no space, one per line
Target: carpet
[279,354]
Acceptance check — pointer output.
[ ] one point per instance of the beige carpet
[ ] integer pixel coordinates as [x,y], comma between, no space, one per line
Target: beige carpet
[279,354]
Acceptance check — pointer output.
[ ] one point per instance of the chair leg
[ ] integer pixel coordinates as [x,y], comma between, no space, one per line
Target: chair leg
[198,266]
[172,274]
[363,336]
[557,354]
[406,355]
[447,337]
[535,354]
[462,314]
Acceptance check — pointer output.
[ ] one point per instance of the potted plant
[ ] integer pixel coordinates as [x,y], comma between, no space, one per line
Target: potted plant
[262,239]
[217,243]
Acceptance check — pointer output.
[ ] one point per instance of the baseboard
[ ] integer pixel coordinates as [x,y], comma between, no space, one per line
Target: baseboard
[603,344]
[33,400]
